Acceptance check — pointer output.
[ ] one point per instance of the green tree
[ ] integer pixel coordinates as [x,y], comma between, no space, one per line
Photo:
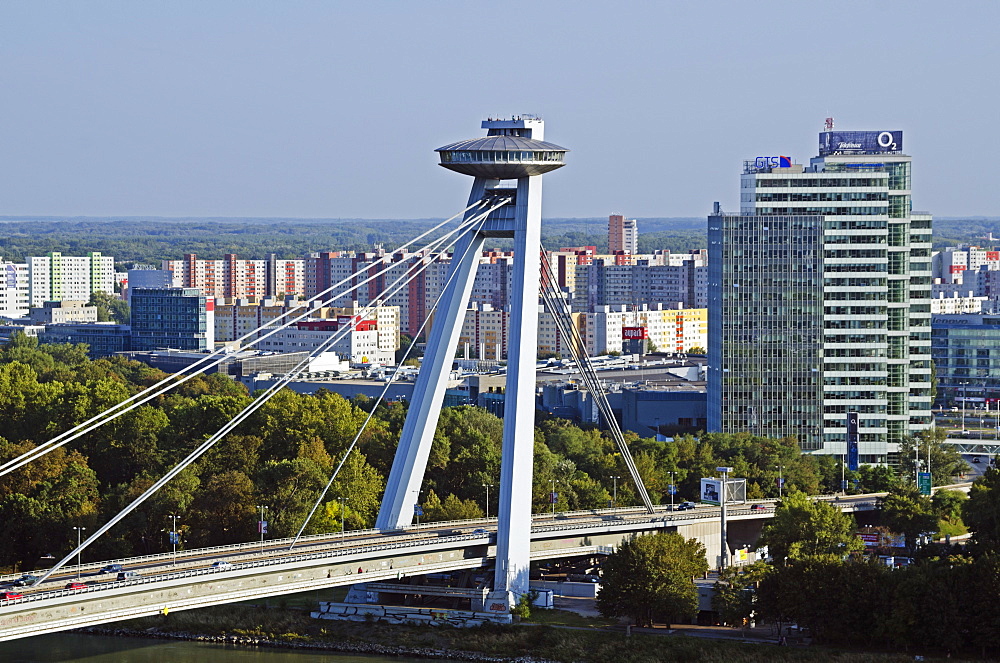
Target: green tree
[223,510]
[876,479]
[804,529]
[450,508]
[41,502]
[110,308]
[736,592]
[650,579]
[982,511]
[947,504]
[945,460]
[838,601]
[906,511]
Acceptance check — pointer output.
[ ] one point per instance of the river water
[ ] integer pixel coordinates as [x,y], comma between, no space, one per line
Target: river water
[61,647]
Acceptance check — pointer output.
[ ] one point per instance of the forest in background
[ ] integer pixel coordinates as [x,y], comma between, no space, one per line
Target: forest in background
[148,240]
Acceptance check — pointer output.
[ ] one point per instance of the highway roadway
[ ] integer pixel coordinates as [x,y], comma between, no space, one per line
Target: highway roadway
[482,531]
[254,572]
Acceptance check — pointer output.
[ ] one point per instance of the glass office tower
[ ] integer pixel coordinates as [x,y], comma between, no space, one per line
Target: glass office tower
[819,300]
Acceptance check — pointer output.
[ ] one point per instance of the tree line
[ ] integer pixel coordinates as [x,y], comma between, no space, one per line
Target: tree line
[284,454]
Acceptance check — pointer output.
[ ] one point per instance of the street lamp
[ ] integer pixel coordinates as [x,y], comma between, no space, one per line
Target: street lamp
[343,502]
[79,531]
[487,486]
[724,557]
[614,500]
[964,394]
[262,526]
[781,483]
[673,490]
[552,495]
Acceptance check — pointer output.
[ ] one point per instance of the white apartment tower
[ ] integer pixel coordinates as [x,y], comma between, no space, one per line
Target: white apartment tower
[55,277]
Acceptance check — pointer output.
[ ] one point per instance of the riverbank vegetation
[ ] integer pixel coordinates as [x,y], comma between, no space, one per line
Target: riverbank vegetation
[525,641]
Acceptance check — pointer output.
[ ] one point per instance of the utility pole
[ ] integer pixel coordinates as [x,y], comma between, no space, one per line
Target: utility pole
[343,501]
[843,478]
[724,557]
[487,486]
[963,406]
[79,531]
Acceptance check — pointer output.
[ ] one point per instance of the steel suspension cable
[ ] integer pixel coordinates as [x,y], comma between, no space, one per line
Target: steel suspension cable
[256,404]
[562,317]
[171,382]
[381,396]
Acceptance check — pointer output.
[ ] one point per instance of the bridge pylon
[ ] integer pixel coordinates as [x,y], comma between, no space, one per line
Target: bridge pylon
[508,163]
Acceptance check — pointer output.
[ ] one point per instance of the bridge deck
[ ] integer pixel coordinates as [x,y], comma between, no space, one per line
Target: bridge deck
[333,560]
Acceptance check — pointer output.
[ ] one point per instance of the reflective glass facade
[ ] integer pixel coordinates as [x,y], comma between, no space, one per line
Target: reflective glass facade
[819,305]
[966,351]
[170,318]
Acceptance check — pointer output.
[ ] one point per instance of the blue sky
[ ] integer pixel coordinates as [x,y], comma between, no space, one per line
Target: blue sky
[332,109]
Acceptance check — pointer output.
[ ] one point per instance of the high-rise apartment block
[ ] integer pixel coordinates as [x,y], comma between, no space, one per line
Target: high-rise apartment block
[55,277]
[669,279]
[623,235]
[14,290]
[235,277]
[819,301]
[950,263]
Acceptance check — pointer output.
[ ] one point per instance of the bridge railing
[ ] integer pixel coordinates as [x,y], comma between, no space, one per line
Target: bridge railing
[405,541]
[197,552]
[161,577]
[332,537]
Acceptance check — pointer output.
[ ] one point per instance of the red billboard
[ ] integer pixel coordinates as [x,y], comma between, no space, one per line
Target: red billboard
[633,333]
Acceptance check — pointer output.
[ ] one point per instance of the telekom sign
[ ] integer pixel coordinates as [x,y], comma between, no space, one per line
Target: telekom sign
[633,333]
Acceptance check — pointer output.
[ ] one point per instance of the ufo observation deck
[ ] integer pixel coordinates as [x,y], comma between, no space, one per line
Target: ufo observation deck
[502,157]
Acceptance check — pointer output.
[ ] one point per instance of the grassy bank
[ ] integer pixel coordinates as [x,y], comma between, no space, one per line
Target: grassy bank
[535,641]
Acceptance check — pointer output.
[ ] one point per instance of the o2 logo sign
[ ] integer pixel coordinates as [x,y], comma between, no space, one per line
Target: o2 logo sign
[887,141]
[772,162]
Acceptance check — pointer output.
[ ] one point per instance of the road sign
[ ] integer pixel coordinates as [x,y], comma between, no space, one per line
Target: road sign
[924,483]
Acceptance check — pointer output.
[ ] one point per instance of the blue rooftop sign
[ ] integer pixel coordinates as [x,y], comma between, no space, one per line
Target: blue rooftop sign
[859,142]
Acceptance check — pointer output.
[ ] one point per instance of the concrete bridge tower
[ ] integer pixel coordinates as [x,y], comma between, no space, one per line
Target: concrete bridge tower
[508,163]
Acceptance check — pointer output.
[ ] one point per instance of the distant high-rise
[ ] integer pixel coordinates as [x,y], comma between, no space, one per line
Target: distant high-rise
[623,235]
[819,300]
[55,277]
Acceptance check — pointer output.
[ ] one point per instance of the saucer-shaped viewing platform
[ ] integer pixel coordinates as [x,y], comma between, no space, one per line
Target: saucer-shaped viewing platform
[502,157]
